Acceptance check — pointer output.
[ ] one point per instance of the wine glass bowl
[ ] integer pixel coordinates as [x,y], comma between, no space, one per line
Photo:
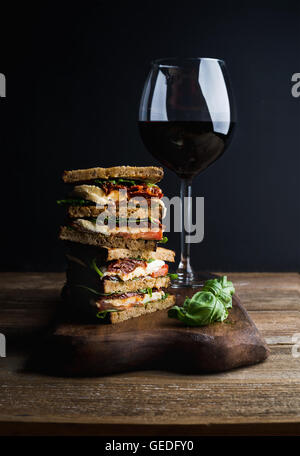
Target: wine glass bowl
[186,121]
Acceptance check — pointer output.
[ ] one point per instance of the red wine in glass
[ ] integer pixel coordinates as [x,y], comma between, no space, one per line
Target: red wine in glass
[186,121]
[185,147]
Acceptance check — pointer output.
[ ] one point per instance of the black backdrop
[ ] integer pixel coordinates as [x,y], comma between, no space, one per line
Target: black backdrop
[74,78]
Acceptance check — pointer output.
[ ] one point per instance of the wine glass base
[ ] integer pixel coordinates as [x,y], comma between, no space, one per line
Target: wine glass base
[191,279]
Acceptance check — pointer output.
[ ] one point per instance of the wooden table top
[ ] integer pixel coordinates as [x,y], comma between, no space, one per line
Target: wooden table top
[262,400]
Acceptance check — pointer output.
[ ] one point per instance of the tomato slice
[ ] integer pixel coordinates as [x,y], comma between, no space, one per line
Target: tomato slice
[149,235]
[163,271]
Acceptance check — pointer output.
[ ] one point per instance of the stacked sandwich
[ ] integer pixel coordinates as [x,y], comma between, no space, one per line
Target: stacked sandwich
[116,269]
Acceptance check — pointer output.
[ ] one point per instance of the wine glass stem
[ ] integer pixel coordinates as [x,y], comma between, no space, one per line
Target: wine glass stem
[184,271]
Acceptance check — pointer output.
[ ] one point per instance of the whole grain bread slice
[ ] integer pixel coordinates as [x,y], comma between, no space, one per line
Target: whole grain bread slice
[159,254]
[102,240]
[88,252]
[133,312]
[144,173]
[141,283]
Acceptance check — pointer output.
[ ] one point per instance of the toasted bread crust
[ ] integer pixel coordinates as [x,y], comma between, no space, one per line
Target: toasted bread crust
[84,211]
[110,286]
[101,240]
[144,173]
[133,312]
[110,254]
[159,254]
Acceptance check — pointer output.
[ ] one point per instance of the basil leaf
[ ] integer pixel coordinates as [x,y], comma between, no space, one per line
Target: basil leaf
[172,276]
[96,269]
[89,289]
[164,240]
[207,306]
[203,309]
[177,312]
[165,296]
[102,313]
[222,288]
[115,181]
[154,221]
[103,181]
[146,291]
[126,181]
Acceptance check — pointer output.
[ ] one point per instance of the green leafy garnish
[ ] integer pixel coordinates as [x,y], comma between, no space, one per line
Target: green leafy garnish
[103,181]
[154,221]
[146,291]
[102,313]
[120,180]
[207,306]
[126,181]
[164,240]
[222,289]
[165,296]
[173,276]
[150,260]
[115,181]
[96,269]
[74,202]
[91,290]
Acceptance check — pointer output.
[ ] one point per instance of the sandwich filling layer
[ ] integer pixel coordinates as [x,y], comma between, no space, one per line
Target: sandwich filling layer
[123,301]
[131,269]
[143,231]
[103,195]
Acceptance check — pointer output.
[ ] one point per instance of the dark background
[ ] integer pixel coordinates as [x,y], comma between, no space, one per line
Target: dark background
[75,74]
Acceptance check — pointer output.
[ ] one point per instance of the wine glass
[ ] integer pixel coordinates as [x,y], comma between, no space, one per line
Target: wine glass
[186,120]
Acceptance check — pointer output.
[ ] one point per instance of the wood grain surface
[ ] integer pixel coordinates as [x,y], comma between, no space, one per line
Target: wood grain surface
[263,399]
[153,341]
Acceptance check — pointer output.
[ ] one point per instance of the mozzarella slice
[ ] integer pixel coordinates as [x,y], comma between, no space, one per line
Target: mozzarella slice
[156,296]
[135,300]
[139,271]
[164,209]
[97,195]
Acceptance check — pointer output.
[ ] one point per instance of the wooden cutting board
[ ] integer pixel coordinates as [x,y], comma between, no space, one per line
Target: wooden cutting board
[153,341]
